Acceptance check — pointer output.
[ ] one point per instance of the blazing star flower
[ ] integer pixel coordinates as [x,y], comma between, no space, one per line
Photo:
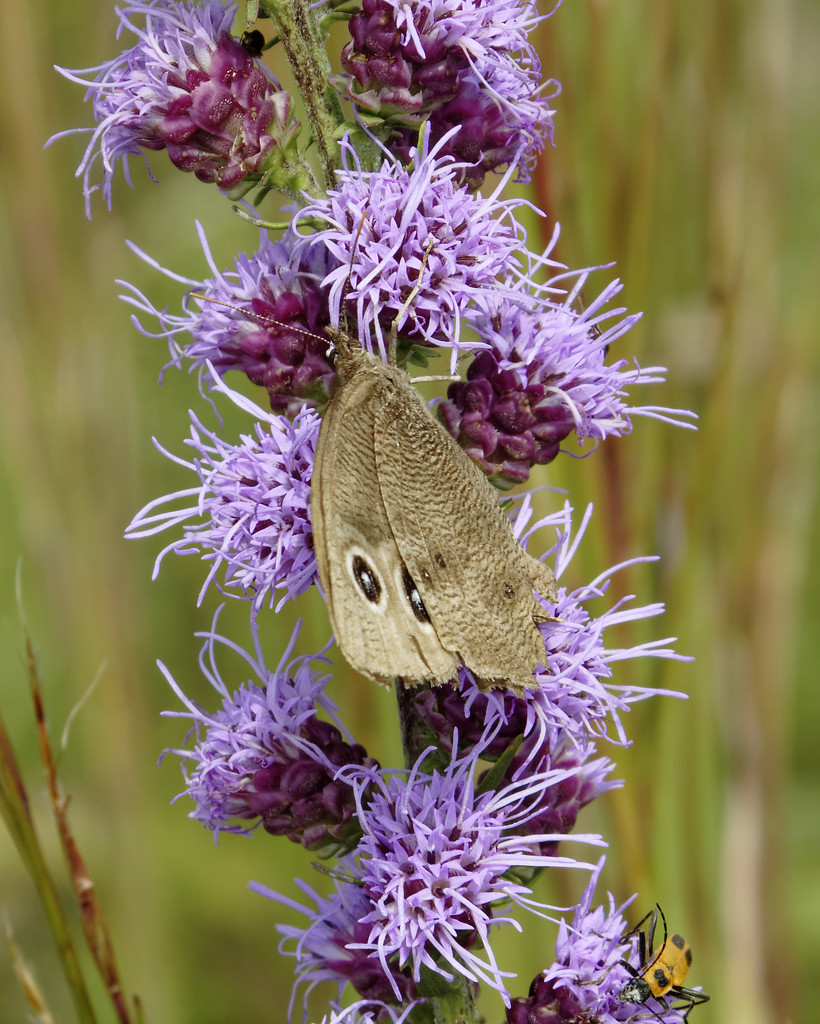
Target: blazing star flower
[249,515]
[266,757]
[468,65]
[367,1011]
[556,810]
[586,979]
[435,863]
[574,690]
[399,232]
[186,86]
[266,318]
[454,714]
[586,976]
[326,949]
[543,378]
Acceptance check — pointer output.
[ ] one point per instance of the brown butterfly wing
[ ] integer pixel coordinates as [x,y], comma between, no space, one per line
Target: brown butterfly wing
[362,573]
[476,581]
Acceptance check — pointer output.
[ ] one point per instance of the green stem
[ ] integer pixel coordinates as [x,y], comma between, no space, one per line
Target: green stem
[450,1002]
[95,929]
[301,36]
[14,807]
[414,734]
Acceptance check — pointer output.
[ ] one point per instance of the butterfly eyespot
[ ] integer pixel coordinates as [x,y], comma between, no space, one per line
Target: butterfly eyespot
[509,590]
[440,561]
[367,579]
[414,597]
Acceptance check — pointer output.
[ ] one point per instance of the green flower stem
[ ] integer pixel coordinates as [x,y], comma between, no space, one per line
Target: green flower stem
[14,808]
[301,36]
[450,1002]
[415,735]
[95,929]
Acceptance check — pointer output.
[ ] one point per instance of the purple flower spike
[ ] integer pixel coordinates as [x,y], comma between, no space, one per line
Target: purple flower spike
[394,230]
[467,68]
[266,757]
[189,87]
[326,950]
[586,979]
[436,861]
[250,513]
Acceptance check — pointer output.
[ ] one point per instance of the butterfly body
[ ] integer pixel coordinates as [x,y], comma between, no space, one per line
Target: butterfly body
[419,564]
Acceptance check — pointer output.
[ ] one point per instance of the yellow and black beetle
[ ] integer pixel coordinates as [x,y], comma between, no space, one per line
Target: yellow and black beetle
[660,974]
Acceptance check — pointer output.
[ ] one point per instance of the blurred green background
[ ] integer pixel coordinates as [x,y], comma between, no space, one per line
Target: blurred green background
[687,152]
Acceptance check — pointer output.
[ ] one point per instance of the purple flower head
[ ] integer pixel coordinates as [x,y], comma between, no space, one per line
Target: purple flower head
[495,128]
[189,87]
[368,1011]
[543,378]
[586,971]
[466,65]
[463,715]
[266,757]
[399,231]
[574,690]
[586,980]
[249,514]
[556,810]
[436,862]
[327,951]
[266,318]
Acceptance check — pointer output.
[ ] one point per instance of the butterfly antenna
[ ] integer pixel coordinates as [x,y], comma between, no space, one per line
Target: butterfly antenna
[343,324]
[392,344]
[337,873]
[250,315]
